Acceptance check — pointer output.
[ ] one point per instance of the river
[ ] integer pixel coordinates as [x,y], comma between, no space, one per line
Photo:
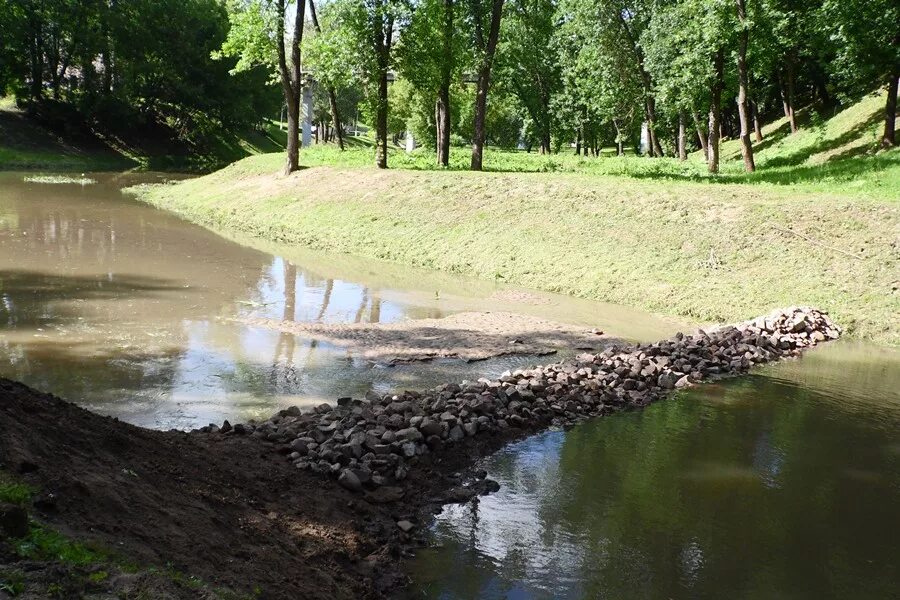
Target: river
[129,311]
[782,484]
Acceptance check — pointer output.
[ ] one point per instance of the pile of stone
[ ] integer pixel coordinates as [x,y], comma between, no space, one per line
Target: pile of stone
[370,442]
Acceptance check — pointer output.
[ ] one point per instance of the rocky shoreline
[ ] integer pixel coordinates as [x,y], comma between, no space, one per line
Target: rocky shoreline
[371,444]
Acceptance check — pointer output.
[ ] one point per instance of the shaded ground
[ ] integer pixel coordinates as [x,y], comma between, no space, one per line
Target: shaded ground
[469,336]
[57,136]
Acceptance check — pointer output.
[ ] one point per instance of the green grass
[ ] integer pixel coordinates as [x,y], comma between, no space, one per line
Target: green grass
[826,155]
[14,492]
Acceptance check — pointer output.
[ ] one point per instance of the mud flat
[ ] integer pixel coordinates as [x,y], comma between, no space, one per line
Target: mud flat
[468,336]
[322,504]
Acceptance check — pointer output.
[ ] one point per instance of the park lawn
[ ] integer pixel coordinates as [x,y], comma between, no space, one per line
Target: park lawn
[706,250]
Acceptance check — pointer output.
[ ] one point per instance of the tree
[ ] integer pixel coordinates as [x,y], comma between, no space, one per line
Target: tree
[257,37]
[743,82]
[486,33]
[867,37]
[332,92]
[430,57]
[528,63]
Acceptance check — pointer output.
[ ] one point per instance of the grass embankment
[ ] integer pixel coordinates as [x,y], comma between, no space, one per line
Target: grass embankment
[28,142]
[654,234]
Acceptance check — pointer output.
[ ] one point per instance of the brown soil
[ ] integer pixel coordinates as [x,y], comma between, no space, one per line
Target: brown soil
[468,336]
[224,509]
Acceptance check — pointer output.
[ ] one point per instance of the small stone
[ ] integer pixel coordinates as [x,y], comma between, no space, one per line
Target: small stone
[349,480]
[405,526]
[456,433]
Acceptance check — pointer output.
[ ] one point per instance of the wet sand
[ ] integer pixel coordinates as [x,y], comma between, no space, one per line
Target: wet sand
[469,336]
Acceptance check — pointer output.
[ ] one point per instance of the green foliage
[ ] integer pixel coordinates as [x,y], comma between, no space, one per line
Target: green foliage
[46,544]
[14,492]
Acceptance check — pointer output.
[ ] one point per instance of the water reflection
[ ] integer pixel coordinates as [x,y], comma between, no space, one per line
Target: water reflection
[129,311]
[777,485]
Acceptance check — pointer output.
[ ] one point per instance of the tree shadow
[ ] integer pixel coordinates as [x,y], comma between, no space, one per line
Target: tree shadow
[825,144]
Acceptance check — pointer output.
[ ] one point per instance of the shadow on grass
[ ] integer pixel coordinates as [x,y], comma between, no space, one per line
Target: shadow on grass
[824,145]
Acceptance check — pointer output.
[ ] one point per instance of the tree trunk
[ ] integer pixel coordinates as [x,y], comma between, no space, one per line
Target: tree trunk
[293,134]
[332,93]
[655,146]
[107,56]
[578,142]
[620,151]
[290,80]
[484,78]
[757,128]
[888,139]
[443,103]
[743,83]
[383,32]
[443,125]
[791,83]
[701,134]
[646,81]
[715,112]
[682,137]
[36,52]
[381,115]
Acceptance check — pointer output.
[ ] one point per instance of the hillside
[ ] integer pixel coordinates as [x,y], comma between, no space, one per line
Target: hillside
[654,234]
[59,138]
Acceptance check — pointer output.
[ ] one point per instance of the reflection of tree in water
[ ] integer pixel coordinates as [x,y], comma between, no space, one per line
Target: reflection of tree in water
[751,487]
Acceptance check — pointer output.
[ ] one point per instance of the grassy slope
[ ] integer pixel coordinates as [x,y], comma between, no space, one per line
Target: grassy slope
[25,144]
[663,238]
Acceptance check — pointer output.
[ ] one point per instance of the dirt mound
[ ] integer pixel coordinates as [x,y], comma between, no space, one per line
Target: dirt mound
[223,510]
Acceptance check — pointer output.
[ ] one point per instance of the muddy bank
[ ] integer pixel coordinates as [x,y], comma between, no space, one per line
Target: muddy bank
[256,508]
[469,336]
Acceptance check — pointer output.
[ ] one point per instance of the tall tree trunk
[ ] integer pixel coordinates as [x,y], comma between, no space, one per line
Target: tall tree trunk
[381,115]
[620,151]
[443,102]
[383,33]
[36,55]
[106,55]
[646,81]
[682,137]
[443,125]
[790,85]
[743,83]
[782,92]
[291,80]
[757,128]
[701,133]
[488,49]
[715,111]
[888,138]
[332,93]
[655,146]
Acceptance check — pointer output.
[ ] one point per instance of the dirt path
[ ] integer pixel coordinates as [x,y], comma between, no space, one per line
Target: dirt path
[469,336]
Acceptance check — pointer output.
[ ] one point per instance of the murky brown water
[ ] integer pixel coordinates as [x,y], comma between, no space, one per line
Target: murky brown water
[782,484]
[126,310]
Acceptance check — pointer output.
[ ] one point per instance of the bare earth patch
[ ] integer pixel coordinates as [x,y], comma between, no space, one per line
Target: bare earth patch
[469,336]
